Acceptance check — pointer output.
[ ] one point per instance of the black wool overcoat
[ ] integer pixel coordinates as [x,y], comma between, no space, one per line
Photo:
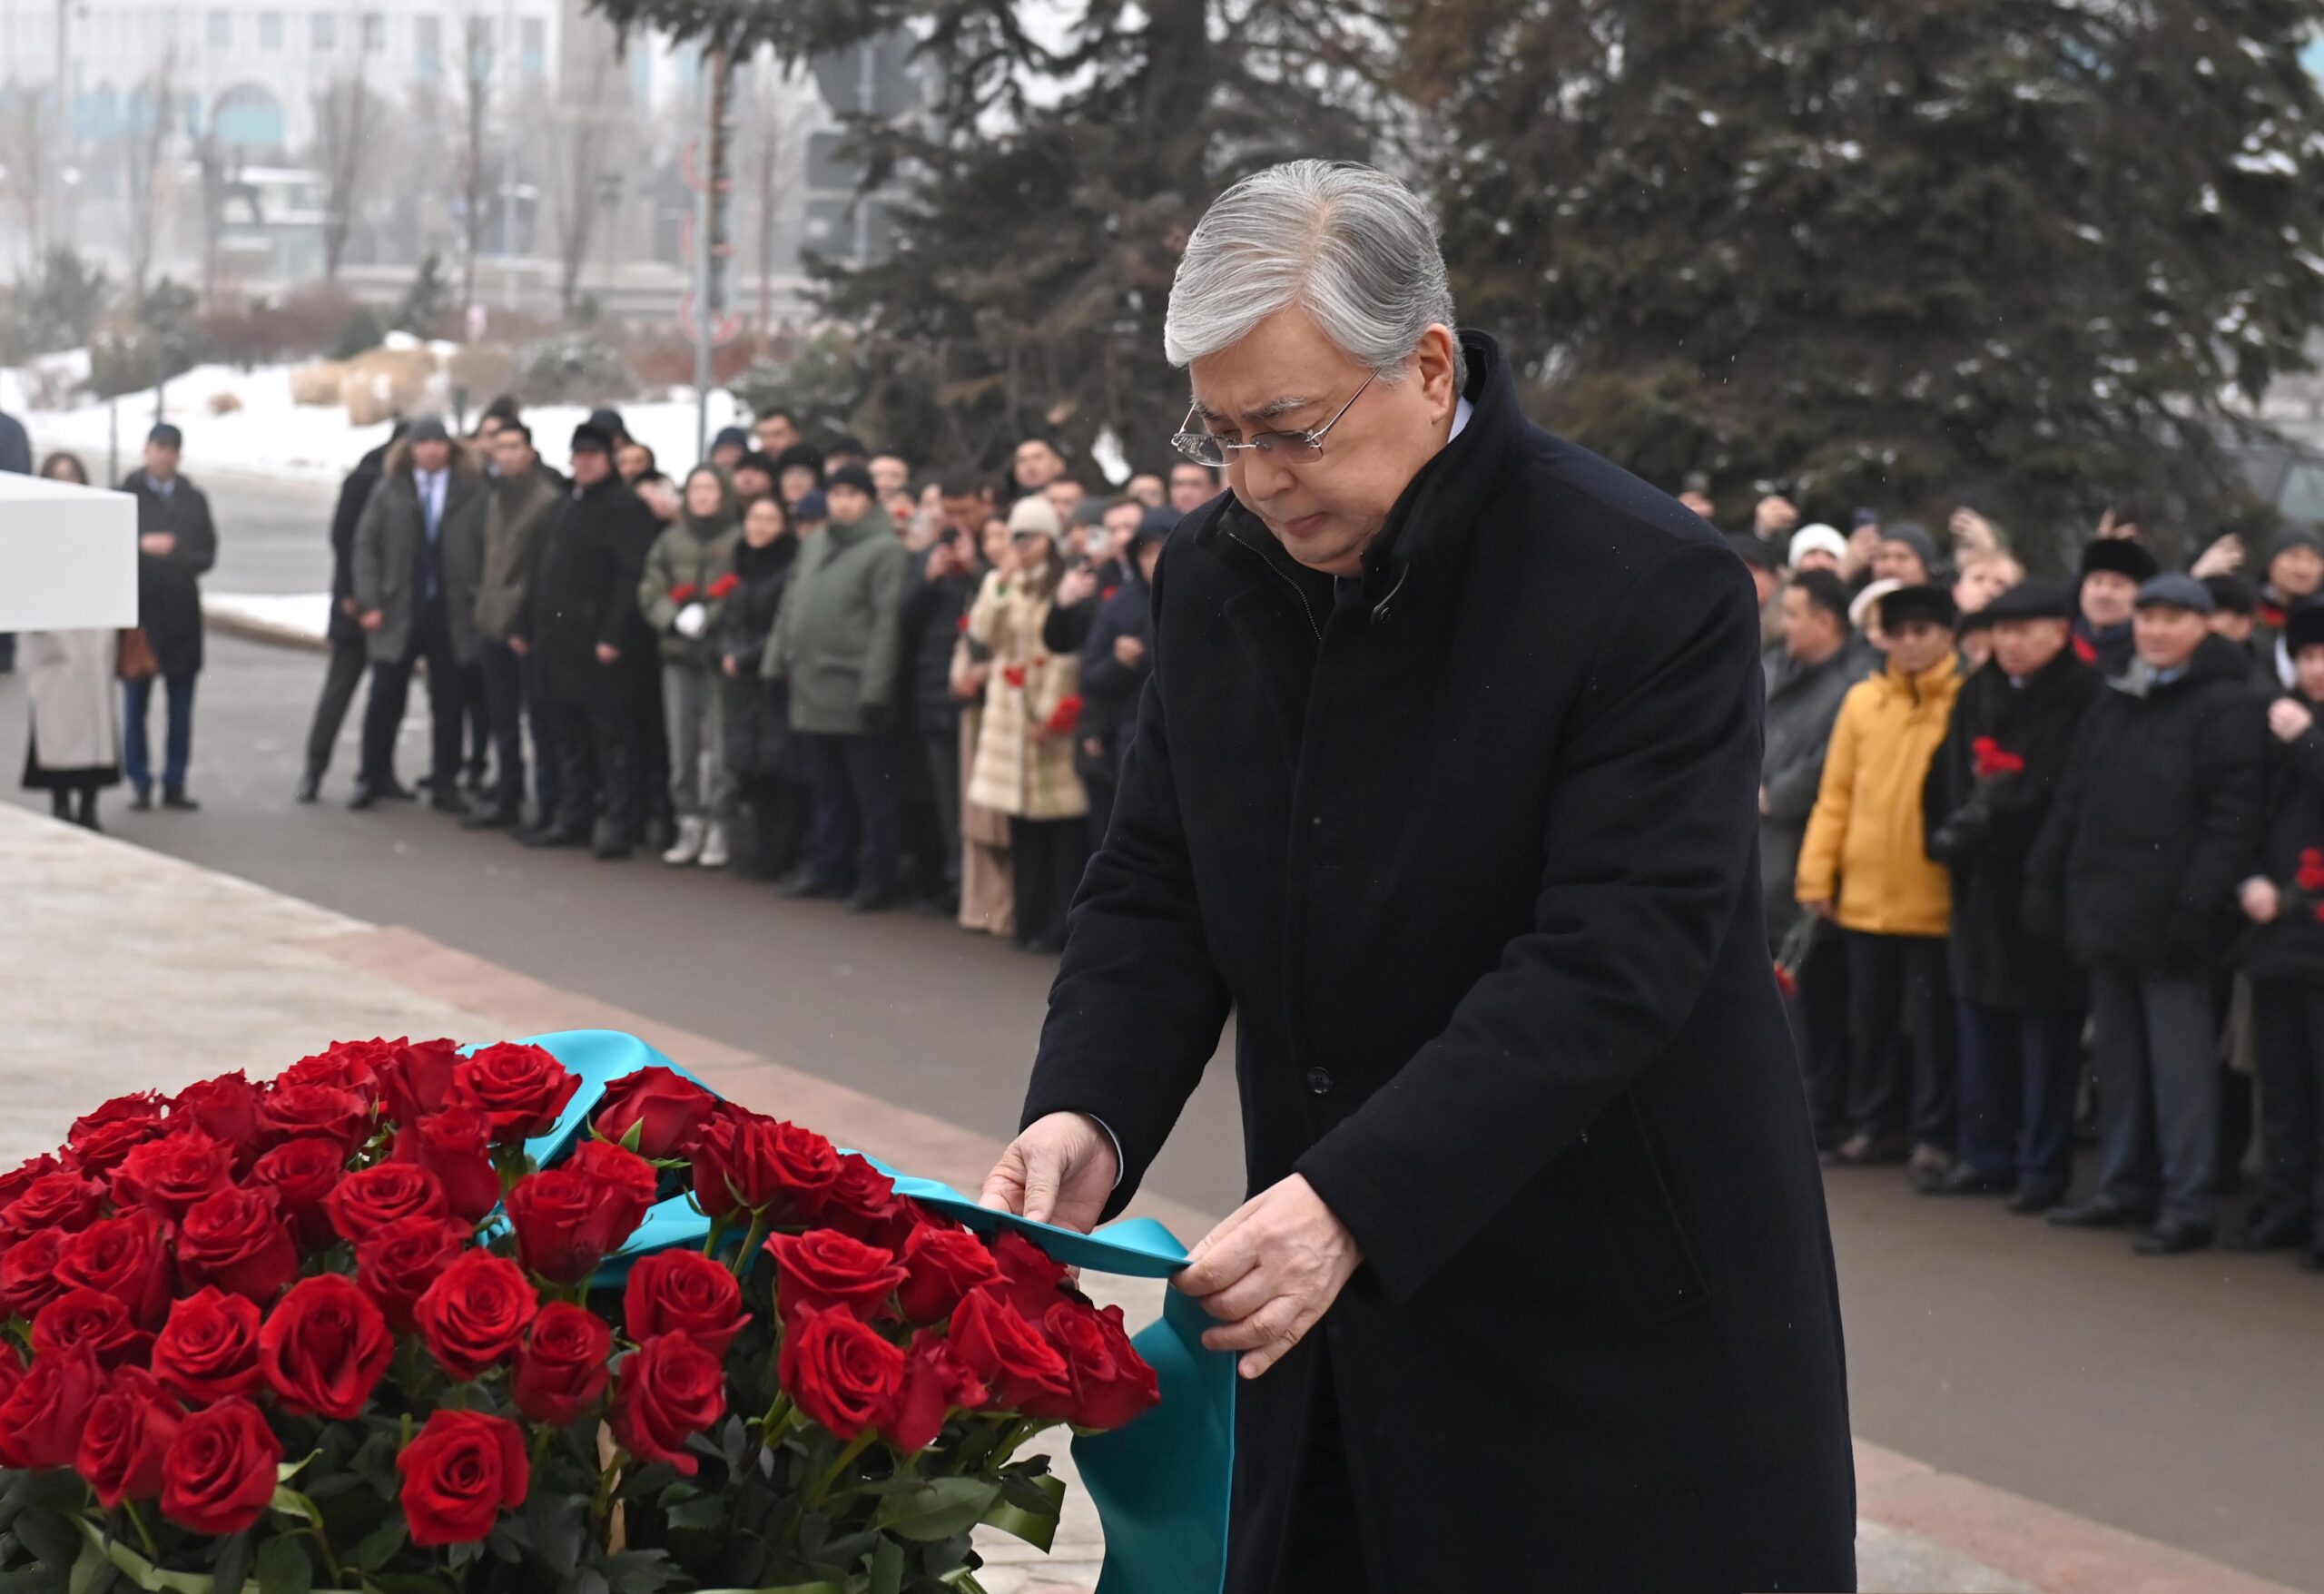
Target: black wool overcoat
[2292,948]
[584,592]
[169,585]
[1470,847]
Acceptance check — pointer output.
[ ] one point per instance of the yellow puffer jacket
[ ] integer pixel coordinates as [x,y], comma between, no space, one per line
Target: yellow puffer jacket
[1866,828]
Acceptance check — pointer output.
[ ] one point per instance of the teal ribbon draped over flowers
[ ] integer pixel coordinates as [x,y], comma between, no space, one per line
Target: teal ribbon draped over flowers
[1160,1484]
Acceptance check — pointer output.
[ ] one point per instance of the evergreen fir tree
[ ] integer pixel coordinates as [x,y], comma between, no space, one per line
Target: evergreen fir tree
[1900,251]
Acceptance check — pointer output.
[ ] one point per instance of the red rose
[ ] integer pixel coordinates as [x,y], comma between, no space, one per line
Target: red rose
[667,1110]
[90,1318]
[11,1371]
[292,1111]
[225,1107]
[417,1080]
[521,1089]
[304,1173]
[561,1370]
[28,1280]
[1022,1370]
[724,587]
[239,1241]
[60,1200]
[684,1292]
[128,1435]
[105,1146]
[463,1471]
[862,1202]
[324,1349]
[936,1384]
[824,1268]
[456,1145]
[219,1473]
[396,1263]
[747,1163]
[942,1263]
[352,1066]
[1111,1381]
[1066,717]
[473,1316]
[670,1390]
[142,1106]
[19,1179]
[840,1371]
[41,1420]
[1033,1282]
[127,1256]
[569,1219]
[208,1349]
[379,1195]
[172,1174]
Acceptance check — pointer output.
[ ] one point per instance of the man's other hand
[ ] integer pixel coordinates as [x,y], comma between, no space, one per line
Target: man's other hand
[1270,1272]
[1061,1170]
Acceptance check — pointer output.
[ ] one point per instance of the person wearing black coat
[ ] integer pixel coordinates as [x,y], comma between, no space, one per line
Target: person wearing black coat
[596,661]
[769,766]
[936,611]
[1445,784]
[2156,821]
[2021,997]
[1117,656]
[177,541]
[350,658]
[2107,587]
[2285,899]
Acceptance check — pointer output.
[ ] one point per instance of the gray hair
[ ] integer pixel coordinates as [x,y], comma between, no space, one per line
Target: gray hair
[1349,243]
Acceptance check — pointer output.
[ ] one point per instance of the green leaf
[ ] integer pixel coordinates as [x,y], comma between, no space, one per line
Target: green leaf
[936,1508]
[286,1470]
[634,1137]
[379,1547]
[888,1567]
[283,1567]
[49,1535]
[408,1583]
[89,1569]
[137,1568]
[1028,1509]
[289,1502]
[231,1569]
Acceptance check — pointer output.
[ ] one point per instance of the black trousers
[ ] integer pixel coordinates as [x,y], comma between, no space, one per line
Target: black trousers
[942,751]
[2288,1023]
[857,811]
[431,639]
[1900,1026]
[1819,1027]
[348,660]
[1046,857]
[781,813]
[602,770]
[549,764]
[479,726]
[503,675]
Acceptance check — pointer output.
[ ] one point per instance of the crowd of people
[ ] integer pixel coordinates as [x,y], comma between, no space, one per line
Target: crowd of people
[2034,851]
[802,662]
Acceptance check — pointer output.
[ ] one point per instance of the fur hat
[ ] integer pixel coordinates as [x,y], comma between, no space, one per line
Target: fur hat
[2120,555]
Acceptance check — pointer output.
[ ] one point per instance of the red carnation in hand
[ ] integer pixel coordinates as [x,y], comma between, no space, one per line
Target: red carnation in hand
[325,1348]
[1023,1370]
[822,1269]
[208,1349]
[521,1089]
[417,1080]
[1013,673]
[225,1107]
[303,1173]
[128,1436]
[1066,718]
[670,1390]
[219,1473]
[456,1145]
[667,1110]
[240,1240]
[128,1256]
[840,1371]
[561,1371]
[570,1219]
[684,1292]
[2310,877]
[724,587]
[1034,1282]
[682,593]
[744,1162]
[90,1318]
[291,1112]
[397,1262]
[942,1263]
[41,1420]
[463,1471]
[936,1384]
[1111,1381]
[62,1200]
[475,1313]
[28,1280]
[172,1174]
[379,1195]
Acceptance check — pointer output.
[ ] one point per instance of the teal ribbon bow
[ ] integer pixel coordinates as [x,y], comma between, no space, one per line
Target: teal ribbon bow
[1161,1484]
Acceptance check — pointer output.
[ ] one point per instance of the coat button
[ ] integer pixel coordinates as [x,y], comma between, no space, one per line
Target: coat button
[1319,1080]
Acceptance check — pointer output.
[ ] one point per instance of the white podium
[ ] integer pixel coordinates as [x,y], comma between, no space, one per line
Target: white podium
[68,555]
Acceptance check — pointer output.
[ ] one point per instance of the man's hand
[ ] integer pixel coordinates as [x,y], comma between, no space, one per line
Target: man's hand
[1973,533]
[734,667]
[1774,515]
[1061,1170]
[2223,558]
[1128,652]
[372,619]
[1077,585]
[519,646]
[346,606]
[1821,907]
[607,654]
[160,543]
[2260,900]
[1270,1272]
[2288,720]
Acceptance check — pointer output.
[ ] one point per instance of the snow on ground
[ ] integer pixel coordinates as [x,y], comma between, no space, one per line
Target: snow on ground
[270,435]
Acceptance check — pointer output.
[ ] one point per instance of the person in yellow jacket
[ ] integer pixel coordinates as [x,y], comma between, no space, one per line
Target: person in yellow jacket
[1865,865]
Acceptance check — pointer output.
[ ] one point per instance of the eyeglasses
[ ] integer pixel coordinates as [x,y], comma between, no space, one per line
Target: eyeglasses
[1290,447]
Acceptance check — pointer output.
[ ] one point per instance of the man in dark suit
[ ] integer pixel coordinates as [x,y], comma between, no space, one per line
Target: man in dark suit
[176,542]
[1445,782]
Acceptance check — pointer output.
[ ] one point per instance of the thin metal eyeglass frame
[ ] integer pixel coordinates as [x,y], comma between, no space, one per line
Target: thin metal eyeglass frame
[1196,446]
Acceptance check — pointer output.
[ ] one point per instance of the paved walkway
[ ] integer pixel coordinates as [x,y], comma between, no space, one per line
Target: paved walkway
[130,970]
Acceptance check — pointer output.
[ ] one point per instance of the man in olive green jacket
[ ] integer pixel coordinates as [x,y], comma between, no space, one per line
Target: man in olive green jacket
[836,643]
[524,501]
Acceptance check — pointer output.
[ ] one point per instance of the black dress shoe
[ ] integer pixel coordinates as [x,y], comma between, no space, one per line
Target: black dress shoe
[1866,1151]
[490,819]
[2029,1199]
[1964,1180]
[2173,1236]
[805,887]
[612,850]
[870,901]
[446,799]
[2100,1211]
[366,796]
[178,802]
[395,790]
[310,786]
[142,800]
[553,836]
[2279,1230]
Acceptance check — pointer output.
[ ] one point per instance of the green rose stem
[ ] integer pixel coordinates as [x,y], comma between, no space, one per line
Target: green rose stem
[822,1485]
[602,1507]
[777,1420]
[144,1533]
[752,1242]
[718,1227]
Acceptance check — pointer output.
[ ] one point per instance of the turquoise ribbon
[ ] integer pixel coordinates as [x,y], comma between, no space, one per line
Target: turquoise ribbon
[1161,1484]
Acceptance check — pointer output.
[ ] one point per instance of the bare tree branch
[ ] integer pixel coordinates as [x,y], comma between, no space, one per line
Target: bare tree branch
[143,154]
[347,117]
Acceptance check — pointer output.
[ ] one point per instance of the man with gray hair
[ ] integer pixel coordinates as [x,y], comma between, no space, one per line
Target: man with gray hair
[1445,783]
